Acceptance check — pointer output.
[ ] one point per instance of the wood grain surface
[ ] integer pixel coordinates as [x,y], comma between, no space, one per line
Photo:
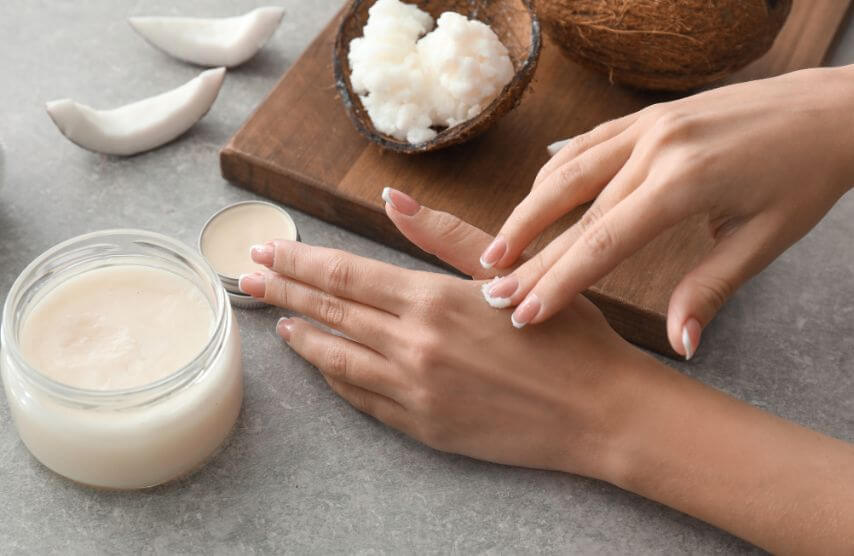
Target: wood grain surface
[299,148]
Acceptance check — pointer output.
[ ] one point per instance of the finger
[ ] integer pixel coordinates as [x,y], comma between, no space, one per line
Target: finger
[450,239]
[606,239]
[364,324]
[341,359]
[576,182]
[702,292]
[580,143]
[513,288]
[381,408]
[338,273]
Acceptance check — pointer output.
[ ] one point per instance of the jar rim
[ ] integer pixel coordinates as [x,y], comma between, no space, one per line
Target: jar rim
[165,384]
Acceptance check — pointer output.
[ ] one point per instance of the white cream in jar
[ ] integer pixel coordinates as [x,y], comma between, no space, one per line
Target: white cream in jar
[116,327]
[121,359]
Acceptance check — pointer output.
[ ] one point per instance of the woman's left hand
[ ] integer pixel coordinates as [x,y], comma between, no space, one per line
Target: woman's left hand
[425,355]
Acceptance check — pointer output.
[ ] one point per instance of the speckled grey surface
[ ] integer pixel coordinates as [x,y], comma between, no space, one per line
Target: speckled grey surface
[305,473]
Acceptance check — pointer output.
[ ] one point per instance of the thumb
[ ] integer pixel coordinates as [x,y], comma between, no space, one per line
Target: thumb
[704,290]
[452,240]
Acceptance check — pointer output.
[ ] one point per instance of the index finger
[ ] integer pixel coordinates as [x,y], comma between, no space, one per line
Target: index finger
[343,274]
[605,240]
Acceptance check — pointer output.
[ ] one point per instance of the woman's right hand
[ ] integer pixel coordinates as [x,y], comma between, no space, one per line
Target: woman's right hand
[763,161]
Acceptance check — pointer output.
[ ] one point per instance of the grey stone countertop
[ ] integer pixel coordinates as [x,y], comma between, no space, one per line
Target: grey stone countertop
[304,472]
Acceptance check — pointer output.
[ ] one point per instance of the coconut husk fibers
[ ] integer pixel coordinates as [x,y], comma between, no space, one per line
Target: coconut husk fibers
[517,26]
[670,45]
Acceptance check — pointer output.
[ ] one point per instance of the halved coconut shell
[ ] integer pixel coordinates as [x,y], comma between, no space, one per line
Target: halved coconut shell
[515,23]
[663,45]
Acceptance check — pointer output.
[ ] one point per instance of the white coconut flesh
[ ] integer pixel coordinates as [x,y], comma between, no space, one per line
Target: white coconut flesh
[226,41]
[413,79]
[142,125]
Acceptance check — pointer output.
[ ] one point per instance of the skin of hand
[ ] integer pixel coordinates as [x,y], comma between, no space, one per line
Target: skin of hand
[425,355]
[762,161]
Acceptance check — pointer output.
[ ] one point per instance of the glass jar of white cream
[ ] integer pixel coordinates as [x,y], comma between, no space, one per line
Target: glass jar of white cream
[121,359]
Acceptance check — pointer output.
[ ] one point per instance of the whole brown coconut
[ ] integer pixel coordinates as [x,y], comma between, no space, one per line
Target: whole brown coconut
[672,45]
[517,26]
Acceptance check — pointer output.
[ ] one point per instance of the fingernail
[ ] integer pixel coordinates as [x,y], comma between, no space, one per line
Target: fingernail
[401,202]
[263,254]
[504,287]
[494,252]
[285,328]
[253,284]
[691,337]
[555,147]
[493,301]
[526,312]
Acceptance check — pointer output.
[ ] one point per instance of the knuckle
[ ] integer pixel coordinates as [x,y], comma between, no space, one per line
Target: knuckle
[570,173]
[423,401]
[595,232]
[590,218]
[338,273]
[337,363]
[670,127]
[714,291]
[582,142]
[293,258]
[331,310]
[449,229]
[425,354]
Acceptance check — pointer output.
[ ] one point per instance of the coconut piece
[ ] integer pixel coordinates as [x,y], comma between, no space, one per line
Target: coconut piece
[677,46]
[226,41]
[142,125]
[513,21]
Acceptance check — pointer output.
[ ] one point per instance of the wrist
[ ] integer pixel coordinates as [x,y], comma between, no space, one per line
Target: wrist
[645,398]
[632,385]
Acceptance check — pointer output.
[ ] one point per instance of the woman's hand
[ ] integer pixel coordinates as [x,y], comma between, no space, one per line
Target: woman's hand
[763,161]
[425,355]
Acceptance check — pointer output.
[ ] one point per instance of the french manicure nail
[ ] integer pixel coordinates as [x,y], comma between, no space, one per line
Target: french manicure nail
[526,312]
[691,331]
[494,252]
[504,288]
[263,254]
[494,302]
[253,284]
[285,328]
[400,201]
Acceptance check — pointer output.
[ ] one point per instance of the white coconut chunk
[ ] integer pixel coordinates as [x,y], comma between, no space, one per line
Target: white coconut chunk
[496,302]
[412,78]
[142,125]
[225,41]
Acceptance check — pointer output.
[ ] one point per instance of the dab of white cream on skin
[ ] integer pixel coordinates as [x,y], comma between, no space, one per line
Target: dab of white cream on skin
[411,79]
[495,302]
[224,41]
[142,125]
[229,236]
[117,327]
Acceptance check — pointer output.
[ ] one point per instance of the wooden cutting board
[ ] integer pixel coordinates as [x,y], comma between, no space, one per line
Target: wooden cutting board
[299,148]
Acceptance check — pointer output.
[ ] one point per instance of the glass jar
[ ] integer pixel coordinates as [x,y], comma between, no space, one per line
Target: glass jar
[137,437]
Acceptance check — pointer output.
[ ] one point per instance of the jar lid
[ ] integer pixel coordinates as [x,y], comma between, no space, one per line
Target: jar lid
[227,236]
